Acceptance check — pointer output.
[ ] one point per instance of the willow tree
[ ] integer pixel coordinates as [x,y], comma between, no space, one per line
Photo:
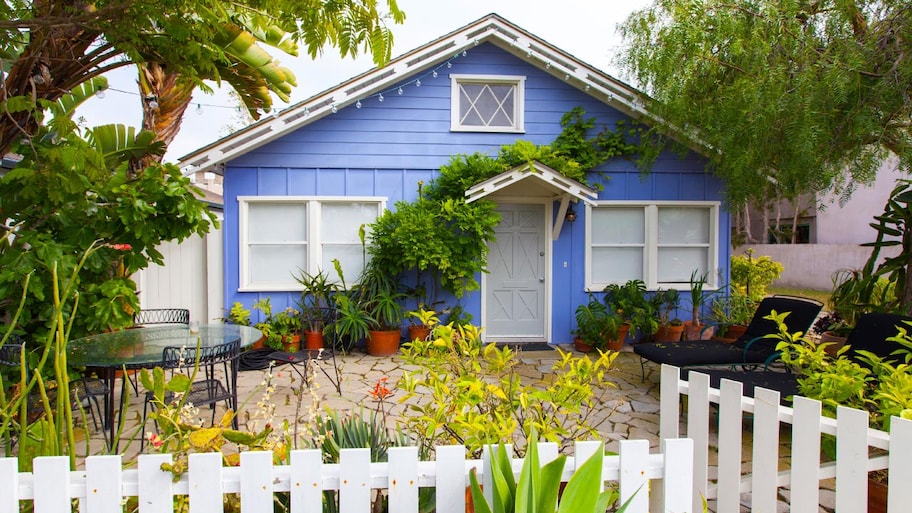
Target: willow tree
[797,96]
[49,48]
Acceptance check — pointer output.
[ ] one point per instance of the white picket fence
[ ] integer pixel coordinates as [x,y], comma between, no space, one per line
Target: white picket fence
[854,441]
[103,485]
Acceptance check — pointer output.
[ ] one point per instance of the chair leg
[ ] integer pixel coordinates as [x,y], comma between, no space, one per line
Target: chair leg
[642,370]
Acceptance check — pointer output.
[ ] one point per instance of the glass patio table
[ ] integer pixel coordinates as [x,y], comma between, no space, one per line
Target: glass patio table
[141,348]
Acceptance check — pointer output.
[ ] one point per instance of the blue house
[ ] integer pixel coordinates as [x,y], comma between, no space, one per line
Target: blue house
[297,186]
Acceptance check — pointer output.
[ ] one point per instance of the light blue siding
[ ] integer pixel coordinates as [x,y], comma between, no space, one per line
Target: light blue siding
[386,148]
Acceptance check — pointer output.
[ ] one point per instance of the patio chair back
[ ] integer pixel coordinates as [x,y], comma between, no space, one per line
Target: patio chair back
[872,331]
[154,316]
[802,312]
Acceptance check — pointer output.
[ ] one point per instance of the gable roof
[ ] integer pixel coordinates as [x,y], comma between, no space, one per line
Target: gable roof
[489,29]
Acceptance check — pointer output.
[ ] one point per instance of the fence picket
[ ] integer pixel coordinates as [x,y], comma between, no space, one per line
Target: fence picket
[9,492]
[765,454]
[728,492]
[306,482]
[678,482]
[451,479]
[805,460]
[104,483]
[633,463]
[205,482]
[900,497]
[256,481]
[403,479]
[154,485]
[851,459]
[354,480]
[52,472]
[698,430]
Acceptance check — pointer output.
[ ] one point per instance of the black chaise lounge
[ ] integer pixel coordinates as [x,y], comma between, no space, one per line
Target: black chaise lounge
[752,348]
[870,334]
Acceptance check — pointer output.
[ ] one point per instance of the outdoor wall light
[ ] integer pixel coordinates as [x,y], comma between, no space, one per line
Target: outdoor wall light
[571,215]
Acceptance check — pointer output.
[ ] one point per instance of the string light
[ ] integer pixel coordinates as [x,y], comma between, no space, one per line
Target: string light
[567,77]
[434,74]
[399,92]
[449,64]
[99,92]
[381,98]
[358,104]
[199,109]
[418,83]
[334,109]
[152,101]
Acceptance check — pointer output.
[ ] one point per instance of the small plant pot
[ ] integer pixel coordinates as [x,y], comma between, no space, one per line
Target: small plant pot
[834,340]
[735,331]
[581,346]
[291,344]
[419,332]
[697,332]
[877,496]
[669,333]
[616,344]
[313,340]
[383,343]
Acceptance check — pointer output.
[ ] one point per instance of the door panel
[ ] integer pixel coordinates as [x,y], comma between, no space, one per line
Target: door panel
[515,286]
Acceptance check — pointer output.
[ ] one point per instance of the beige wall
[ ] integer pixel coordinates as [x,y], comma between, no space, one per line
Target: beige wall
[812,266]
[850,223]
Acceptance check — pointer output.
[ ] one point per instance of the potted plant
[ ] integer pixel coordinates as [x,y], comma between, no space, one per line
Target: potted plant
[316,306]
[422,322]
[694,329]
[665,303]
[240,315]
[630,302]
[731,316]
[281,330]
[381,305]
[597,327]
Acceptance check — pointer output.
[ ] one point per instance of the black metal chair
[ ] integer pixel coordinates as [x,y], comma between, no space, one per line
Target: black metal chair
[155,316]
[84,391]
[210,390]
[300,360]
[751,349]
[871,333]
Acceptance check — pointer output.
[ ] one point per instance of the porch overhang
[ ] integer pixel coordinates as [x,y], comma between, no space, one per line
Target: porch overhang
[540,176]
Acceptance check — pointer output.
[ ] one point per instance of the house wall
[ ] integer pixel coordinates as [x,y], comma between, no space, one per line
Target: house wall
[385,148]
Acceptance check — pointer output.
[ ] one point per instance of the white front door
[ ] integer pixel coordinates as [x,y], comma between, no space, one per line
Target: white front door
[515,284]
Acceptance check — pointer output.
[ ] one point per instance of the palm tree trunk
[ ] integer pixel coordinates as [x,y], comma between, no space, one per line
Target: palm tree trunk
[172,97]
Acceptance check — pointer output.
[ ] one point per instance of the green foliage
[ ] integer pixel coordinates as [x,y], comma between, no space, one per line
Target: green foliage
[539,485]
[71,189]
[460,392]
[630,301]
[195,41]
[665,303]
[316,299]
[751,276]
[238,314]
[697,299]
[732,310]
[277,327]
[785,98]
[595,324]
[880,385]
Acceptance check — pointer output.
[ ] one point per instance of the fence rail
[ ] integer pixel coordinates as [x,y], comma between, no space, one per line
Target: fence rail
[859,449]
[104,484]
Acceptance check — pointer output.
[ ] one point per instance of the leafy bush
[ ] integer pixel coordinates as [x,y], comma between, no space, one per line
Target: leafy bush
[751,276]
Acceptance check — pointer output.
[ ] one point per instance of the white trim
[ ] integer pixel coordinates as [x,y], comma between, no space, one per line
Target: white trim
[548,275]
[518,82]
[651,245]
[313,244]
[489,29]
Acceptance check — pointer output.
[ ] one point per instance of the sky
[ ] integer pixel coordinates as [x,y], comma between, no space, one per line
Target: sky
[584,28]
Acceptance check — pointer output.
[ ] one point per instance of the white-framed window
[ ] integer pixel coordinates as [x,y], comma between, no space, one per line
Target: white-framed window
[282,235]
[487,103]
[661,243]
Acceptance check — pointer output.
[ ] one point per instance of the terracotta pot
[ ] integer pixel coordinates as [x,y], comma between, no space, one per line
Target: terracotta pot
[582,346]
[419,332]
[735,331]
[291,344]
[877,496]
[698,332]
[670,333]
[618,343]
[835,342]
[259,344]
[313,340]
[383,343]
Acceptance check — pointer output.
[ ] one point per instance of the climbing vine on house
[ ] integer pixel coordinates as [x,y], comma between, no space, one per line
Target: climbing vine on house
[444,241]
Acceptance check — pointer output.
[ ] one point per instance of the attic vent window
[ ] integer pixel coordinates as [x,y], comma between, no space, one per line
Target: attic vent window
[487,103]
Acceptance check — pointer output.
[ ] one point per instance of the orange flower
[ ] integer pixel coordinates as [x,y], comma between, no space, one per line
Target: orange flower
[380,392]
[155,440]
[120,247]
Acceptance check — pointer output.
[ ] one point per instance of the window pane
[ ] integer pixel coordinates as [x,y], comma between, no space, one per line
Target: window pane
[350,257]
[677,264]
[276,264]
[618,226]
[491,105]
[341,221]
[276,222]
[683,225]
[616,265]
